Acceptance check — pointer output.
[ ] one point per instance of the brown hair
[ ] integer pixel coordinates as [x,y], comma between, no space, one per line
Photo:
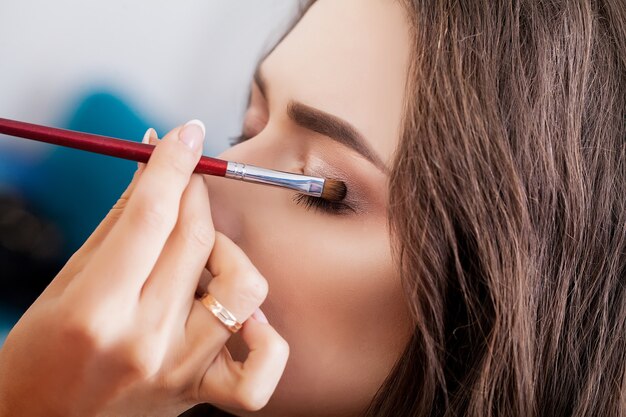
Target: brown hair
[508,209]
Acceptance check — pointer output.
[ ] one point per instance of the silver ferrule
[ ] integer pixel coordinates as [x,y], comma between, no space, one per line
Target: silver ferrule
[303,184]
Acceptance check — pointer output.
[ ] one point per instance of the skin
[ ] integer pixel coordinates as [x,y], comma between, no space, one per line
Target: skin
[120,331]
[334,295]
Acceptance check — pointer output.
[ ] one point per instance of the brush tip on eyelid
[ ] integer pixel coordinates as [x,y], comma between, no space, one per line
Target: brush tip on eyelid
[334,190]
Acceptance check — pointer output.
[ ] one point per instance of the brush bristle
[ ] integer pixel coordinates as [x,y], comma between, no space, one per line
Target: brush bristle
[334,190]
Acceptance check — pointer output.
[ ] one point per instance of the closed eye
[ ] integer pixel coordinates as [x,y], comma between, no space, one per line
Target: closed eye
[322,205]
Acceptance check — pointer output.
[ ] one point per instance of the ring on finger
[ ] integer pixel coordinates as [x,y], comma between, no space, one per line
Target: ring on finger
[226,317]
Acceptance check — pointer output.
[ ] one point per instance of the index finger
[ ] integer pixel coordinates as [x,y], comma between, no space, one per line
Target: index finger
[132,247]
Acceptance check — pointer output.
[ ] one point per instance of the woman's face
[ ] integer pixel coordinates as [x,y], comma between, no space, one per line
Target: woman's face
[327,102]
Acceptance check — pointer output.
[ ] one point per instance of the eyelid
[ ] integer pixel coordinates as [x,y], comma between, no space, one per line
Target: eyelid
[317,167]
[255,120]
[256,115]
[255,91]
[320,165]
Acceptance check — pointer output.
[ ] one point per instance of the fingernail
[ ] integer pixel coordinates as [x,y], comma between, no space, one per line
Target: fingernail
[146,137]
[259,316]
[192,134]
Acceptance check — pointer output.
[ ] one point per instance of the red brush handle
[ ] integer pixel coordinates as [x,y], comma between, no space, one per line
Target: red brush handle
[134,151]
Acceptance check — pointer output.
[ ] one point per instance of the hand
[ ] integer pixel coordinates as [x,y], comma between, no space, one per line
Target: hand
[119,331]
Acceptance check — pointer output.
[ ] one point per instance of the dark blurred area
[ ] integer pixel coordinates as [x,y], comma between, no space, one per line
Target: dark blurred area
[30,253]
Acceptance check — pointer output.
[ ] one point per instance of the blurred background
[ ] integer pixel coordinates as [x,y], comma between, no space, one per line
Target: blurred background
[112,68]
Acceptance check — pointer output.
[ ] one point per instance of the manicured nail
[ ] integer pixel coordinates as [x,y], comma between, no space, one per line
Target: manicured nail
[146,137]
[192,134]
[259,316]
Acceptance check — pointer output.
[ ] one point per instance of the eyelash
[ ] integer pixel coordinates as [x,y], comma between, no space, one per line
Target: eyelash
[236,140]
[325,206]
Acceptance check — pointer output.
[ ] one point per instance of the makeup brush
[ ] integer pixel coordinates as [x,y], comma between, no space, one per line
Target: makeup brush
[328,189]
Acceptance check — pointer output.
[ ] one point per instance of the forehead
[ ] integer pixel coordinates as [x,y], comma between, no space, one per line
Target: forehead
[348,58]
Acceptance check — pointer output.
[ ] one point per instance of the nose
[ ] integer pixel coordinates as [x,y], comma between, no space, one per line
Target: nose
[231,200]
[223,195]
[237,206]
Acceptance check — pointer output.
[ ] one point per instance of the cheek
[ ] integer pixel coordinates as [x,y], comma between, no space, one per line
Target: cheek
[335,298]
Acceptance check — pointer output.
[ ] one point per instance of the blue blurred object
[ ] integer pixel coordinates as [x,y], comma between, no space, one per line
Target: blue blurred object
[8,317]
[58,201]
[75,189]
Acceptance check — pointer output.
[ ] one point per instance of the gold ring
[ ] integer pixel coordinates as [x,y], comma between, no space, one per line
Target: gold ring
[226,317]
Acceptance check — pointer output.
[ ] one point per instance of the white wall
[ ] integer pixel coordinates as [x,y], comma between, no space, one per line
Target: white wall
[176,60]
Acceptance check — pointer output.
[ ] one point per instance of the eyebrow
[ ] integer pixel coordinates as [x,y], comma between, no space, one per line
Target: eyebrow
[325,124]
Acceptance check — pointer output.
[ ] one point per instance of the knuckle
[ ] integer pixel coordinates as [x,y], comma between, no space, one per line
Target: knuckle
[199,233]
[120,204]
[251,285]
[153,213]
[140,357]
[280,348]
[136,356]
[80,331]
